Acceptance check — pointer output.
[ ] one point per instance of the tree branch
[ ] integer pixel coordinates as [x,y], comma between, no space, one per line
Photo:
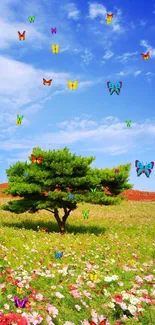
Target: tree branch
[67,212]
[49,210]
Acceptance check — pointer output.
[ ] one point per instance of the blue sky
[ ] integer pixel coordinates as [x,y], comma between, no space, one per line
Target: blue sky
[89,121]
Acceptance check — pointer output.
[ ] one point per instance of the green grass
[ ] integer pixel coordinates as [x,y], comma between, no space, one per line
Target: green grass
[109,238]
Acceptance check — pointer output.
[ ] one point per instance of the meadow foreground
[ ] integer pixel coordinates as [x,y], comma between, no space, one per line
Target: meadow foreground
[116,243]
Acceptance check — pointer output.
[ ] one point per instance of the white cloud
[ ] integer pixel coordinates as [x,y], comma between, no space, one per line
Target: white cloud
[9,35]
[109,54]
[72,11]
[112,137]
[96,9]
[87,56]
[126,56]
[137,73]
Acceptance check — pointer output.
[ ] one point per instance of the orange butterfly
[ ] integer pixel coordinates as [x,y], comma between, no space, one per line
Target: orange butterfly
[21,36]
[47,82]
[146,56]
[101,323]
[109,18]
[35,159]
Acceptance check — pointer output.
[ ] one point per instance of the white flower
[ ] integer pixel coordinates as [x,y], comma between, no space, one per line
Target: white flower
[132,309]
[6,306]
[78,307]
[111,305]
[134,300]
[59,295]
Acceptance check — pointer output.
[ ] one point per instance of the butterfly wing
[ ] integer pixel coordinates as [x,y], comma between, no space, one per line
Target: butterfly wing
[140,167]
[39,160]
[60,254]
[103,322]
[95,277]
[111,87]
[148,55]
[138,164]
[147,172]
[44,81]
[57,48]
[143,56]
[150,165]
[49,82]
[34,159]
[74,84]
[70,84]
[23,36]
[92,323]
[23,303]
[17,302]
[118,87]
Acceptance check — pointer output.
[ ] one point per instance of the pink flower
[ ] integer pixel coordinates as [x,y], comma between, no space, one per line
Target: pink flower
[148,278]
[39,296]
[52,310]
[87,294]
[139,279]
[78,308]
[76,294]
[35,318]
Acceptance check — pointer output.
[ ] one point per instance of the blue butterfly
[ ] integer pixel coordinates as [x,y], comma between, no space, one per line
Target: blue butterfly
[141,168]
[25,174]
[114,87]
[58,254]
[71,196]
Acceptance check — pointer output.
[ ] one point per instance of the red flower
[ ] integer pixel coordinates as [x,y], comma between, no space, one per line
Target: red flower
[13,318]
[71,287]
[118,298]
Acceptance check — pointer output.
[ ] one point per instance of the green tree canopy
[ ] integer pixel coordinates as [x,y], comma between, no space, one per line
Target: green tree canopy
[62,180]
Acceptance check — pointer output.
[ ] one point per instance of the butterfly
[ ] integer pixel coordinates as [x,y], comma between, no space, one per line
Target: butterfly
[25,174]
[71,196]
[101,323]
[19,290]
[116,170]
[72,84]
[141,168]
[93,277]
[20,303]
[19,119]
[93,190]
[21,36]
[55,48]
[109,18]
[44,229]
[31,19]
[35,159]
[146,56]
[53,30]
[114,87]
[58,254]
[128,123]
[85,214]
[47,82]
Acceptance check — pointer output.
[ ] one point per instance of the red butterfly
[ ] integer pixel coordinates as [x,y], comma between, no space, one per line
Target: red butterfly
[35,159]
[47,82]
[21,36]
[101,323]
[146,56]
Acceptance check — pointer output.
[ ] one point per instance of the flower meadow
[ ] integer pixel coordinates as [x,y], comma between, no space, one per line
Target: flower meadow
[106,272]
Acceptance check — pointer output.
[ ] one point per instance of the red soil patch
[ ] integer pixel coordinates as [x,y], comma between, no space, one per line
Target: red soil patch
[130,195]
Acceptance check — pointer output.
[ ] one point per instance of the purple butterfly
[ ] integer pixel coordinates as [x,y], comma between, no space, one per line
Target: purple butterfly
[20,303]
[116,170]
[53,30]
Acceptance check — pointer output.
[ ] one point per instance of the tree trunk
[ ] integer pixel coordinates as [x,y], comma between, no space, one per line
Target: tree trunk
[61,223]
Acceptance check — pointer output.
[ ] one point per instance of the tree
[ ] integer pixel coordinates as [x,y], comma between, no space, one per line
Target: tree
[50,184]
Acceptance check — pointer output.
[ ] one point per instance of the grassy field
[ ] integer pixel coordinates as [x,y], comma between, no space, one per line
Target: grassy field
[116,242]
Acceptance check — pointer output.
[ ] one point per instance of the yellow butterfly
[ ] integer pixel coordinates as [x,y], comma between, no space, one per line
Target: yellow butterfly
[19,290]
[72,84]
[93,277]
[55,48]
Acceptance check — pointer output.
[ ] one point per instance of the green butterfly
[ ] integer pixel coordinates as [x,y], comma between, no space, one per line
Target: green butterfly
[128,123]
[31,19]
[19,119]
[85,214]
[93,190]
